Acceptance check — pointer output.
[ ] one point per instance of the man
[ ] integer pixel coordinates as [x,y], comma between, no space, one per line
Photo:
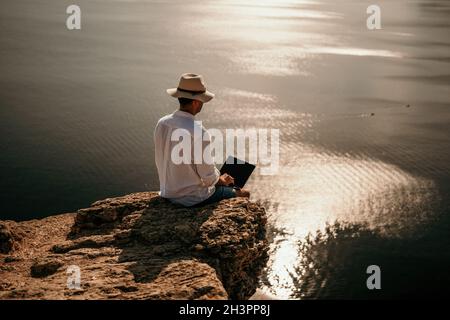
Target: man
[189,184]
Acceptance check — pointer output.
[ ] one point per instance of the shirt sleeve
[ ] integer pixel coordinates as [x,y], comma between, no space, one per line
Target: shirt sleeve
[207,169]
[208,173]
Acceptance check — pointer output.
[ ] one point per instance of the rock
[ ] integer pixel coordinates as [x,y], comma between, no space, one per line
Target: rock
[139,246]
[46,267]
[6,239]
[9,237]
[12,259]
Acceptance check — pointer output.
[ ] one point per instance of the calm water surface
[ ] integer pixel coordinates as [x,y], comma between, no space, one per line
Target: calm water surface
[364,118]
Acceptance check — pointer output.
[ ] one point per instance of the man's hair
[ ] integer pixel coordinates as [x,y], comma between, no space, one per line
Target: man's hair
[185,101]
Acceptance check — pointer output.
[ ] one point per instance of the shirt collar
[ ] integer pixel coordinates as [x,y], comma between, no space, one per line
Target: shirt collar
[183,114]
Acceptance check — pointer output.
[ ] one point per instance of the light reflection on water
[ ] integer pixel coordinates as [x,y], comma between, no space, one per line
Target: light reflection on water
[78,109]
[315,187]
[278,38]
[318,186]
[324,188]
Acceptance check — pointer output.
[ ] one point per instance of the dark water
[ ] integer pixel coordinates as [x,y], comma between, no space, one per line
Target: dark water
[363,116]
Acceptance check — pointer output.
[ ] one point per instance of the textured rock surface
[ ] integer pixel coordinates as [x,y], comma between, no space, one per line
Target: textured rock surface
[9,237]
[136,247]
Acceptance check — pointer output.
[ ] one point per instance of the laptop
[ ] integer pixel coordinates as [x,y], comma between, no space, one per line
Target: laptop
[240,171]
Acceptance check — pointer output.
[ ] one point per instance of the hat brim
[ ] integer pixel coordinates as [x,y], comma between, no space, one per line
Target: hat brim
[203,97]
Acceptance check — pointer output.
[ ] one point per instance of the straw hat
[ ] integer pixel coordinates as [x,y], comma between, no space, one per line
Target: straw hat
[191,86]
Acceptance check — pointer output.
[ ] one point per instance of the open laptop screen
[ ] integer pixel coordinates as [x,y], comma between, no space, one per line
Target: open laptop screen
[240,171]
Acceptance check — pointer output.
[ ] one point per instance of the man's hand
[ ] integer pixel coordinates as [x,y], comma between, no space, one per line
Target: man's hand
[225,180]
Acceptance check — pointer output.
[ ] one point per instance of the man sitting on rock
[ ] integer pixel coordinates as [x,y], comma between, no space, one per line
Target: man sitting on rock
[189,184]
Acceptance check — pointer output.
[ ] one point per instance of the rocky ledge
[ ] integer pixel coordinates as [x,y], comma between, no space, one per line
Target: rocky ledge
[139,246]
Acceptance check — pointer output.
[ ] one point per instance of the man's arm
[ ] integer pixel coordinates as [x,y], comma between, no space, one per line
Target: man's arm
[208,173]
[206,169]
[211,176]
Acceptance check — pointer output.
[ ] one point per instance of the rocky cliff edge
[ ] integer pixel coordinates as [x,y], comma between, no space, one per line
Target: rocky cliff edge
[139,246]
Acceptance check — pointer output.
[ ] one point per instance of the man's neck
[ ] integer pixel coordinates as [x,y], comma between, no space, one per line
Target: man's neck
[188,111]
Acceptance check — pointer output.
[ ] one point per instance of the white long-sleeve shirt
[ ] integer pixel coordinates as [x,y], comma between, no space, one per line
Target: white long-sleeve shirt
[185,183]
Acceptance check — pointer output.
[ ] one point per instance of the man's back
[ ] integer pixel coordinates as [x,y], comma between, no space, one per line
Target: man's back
[184,183]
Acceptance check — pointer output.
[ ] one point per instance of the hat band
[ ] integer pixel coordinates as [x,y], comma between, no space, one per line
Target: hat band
[191,91]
